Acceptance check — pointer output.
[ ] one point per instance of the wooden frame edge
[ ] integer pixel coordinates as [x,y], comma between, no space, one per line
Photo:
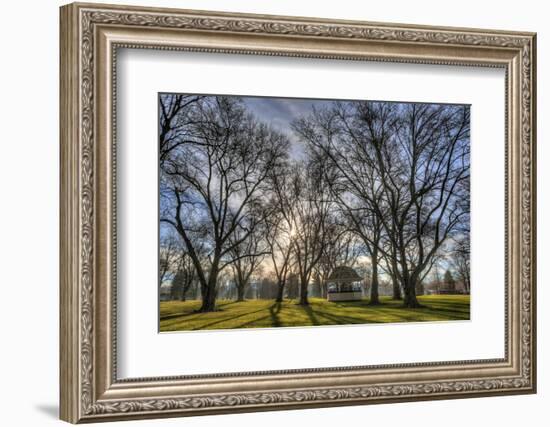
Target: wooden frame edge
[72,407]
[69,223]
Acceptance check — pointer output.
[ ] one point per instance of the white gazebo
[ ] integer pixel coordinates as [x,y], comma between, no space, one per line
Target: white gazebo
[344,285]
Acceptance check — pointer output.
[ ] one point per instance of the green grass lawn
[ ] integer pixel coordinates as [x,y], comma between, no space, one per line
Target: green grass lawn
[181,316]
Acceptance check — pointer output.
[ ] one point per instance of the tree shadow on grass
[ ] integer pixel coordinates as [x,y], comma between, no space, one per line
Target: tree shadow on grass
[419,315]
[358,304]
[195,312]
[397,313]
[455,310]
[227,319]
[335,319]
[445,316]
[361,303]
[446,311]
[251,322]
[310,314]
[393,315]
[221,304]
[176,315]
[274,311]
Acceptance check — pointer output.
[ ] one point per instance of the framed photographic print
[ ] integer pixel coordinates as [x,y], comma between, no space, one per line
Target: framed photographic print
[265,212]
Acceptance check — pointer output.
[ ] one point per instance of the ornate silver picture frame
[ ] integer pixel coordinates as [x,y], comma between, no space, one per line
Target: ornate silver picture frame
[91,35]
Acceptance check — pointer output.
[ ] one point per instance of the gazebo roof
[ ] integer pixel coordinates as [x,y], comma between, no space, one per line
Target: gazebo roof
[343,273]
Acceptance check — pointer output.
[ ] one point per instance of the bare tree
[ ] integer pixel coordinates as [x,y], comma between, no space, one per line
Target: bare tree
[401,173]
[175,262]
[247,251]
[390,268]
[423,169]
[279,227]
[210,181]
[170,251]
[460,259]
[176,114]
[352,183]
[184,278]
[309,213]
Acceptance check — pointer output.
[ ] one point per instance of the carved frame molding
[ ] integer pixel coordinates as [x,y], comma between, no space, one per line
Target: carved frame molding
[90,36]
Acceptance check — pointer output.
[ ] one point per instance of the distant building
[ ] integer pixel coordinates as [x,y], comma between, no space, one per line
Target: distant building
[442,288]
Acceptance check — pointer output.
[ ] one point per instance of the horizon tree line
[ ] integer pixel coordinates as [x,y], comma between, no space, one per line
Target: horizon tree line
[387,182]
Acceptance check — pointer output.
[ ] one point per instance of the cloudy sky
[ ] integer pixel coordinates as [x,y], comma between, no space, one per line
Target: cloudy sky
[280,112]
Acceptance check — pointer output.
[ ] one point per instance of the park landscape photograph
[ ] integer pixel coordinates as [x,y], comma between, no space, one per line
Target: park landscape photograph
[293,212]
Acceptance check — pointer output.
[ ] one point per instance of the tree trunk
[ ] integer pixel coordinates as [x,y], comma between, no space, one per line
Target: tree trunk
[280,291]
[186,288]
[240,292]
[397,295]
[410,300]
[208,300]
[396,289]
[209,292]
[374,297]
[303,291]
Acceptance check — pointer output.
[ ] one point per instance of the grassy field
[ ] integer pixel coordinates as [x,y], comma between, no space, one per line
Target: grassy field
[181,316]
